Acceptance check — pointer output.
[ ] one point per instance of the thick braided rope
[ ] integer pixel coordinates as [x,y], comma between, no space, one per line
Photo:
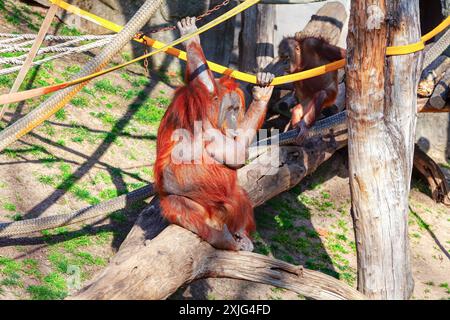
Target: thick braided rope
[17,46]
[437,49]
[17,37]
[56,48]
[64,53]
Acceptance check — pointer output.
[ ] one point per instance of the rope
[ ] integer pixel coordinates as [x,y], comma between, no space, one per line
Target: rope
[8,229]
[24,95]
[437,49]
[57,101]
[400,50]
[49,37]
[45,26]
[55,49]
[65,52]
[20,47]
[17,46]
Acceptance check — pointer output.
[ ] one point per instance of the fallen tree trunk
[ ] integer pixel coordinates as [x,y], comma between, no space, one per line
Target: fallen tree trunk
[432,75]
[151,264]
[155,260]
[430,170]
[441,93]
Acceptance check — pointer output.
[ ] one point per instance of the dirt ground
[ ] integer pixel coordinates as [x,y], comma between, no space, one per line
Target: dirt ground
[103,145]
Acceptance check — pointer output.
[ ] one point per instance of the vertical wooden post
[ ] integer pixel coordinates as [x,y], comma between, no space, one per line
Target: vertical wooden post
[381,101]
[265,36]
[257,38]
[247,43]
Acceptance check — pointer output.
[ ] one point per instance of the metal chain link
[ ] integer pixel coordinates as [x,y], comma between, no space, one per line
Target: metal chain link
[200,17]
[141,36]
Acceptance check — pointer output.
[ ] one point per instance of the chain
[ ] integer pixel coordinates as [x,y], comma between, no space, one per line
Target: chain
[141,36]
[200,17]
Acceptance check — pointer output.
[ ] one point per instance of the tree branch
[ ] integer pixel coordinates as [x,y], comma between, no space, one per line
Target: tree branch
[151,264]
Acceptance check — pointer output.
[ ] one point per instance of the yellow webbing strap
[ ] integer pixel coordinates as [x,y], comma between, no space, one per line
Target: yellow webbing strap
[160,47]
[391,51]
[20,96]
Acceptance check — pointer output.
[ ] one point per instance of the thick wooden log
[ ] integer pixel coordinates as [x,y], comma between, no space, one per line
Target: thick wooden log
[265,48]
[382,106]
[153,269]
[247,43]
[432,75]
[441,93]
[153,265]
[327,23]
[430,170]
[256,47]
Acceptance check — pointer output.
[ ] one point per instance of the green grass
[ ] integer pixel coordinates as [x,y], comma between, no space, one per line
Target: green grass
[9,206]
[107,86]
[61,115]
[69,31]
[31,268]
[81,134]
[140,81]
[10,269]
[79,102]
[67,181]
[422,224]
[14,17]
[445,286]
[151,111]
[102,177]
[105,117]
[6,81]
[47,180]
[107,194]
[126,56]
[17,217]
[48,129]
[54,287]
[34,150]
[118,217]
[71,71]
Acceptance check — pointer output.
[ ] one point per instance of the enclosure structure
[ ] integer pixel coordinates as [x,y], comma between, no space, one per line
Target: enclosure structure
[155,259]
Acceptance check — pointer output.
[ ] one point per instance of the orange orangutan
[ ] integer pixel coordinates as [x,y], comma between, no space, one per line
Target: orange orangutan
[302,53]
[202,141]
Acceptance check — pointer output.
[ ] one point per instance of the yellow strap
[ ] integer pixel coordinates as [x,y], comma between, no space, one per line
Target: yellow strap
[407,49]
[391,51]
[21,96]
[433,33]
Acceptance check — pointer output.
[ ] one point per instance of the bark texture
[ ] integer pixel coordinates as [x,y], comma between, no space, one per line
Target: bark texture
[382,106]
[151,264]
